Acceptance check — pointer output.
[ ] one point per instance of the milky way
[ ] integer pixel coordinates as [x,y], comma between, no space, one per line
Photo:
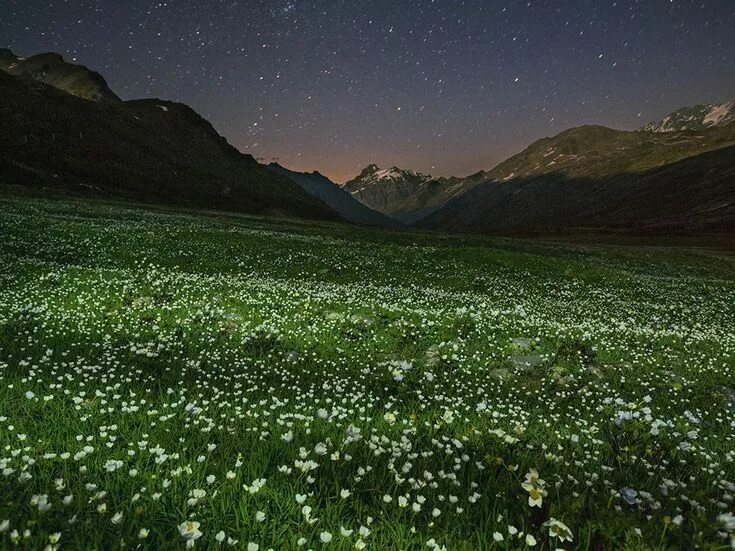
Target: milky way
[444,87]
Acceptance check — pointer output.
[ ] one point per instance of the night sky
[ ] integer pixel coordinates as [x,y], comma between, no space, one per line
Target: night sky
[444,87]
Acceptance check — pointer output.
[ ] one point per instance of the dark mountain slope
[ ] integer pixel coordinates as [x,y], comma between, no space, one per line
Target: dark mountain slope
[144,150]
[325,190]
[695,194]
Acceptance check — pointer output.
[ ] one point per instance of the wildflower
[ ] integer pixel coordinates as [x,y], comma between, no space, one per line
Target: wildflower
[143,533]
[189,530]
[629,496]
[557,529]
[325,537]
[535,488]
[728,521]
[497,536]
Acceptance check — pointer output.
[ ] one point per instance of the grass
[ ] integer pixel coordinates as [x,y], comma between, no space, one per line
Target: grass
[285,383]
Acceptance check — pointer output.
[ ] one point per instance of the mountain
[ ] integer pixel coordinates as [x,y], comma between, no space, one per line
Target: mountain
[343,202]
[69,140]
[402,194]
[597,178]
[51,69]
[697,117]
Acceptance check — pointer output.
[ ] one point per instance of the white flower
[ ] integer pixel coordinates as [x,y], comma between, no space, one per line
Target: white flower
[30,395]
[260,516]
[345,533]
[143,533]
[728,521]
[220,537]
[252,546]
[557,529]
[344,493]
[189,530]
[325,537]
[497,536]
[530,540]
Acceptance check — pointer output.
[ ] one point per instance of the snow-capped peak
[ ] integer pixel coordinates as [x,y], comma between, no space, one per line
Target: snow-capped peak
[697,117]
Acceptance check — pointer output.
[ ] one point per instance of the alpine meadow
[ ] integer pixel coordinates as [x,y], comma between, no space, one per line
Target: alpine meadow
[171,378]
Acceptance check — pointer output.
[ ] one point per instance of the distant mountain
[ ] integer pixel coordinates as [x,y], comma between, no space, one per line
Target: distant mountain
[598,178]
[697,117]
[343,202]
[63,135]
[51,69]
[402,194]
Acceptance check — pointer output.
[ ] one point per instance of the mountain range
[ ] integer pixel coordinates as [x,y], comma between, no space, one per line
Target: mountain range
[321,187]
[402,194]
[66,131]
[674,175]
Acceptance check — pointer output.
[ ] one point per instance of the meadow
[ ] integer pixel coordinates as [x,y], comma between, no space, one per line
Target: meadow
[173,379]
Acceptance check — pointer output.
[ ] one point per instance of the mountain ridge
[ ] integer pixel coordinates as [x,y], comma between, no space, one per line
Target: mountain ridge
[152,150]
[403,194]
[695,117]
[333,195]
[51,68]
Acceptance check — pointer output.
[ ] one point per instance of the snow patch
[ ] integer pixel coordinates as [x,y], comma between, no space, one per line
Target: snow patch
[718,112]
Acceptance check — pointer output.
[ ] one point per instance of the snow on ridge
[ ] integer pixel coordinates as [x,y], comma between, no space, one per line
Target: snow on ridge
[718,112]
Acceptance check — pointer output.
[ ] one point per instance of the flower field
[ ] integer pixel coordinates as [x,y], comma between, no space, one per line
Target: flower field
[172,379]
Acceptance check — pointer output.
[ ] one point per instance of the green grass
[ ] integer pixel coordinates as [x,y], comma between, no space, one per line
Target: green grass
[327,359]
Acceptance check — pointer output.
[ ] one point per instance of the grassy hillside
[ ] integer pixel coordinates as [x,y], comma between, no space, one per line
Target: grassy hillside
[171,377]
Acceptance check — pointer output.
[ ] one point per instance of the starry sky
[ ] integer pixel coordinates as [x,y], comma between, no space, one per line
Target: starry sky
[446,87]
